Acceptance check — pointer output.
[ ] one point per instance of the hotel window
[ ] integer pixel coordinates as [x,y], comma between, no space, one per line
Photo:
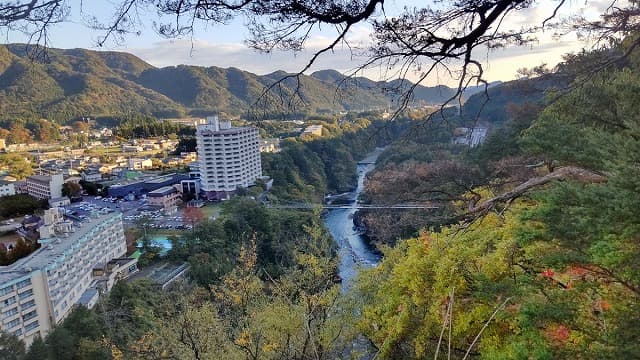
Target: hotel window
[9,301]
[6,290]
[29,304]
[30,315]
[25,294]
[31,326]
[23,283]
[13,324]
[9,313]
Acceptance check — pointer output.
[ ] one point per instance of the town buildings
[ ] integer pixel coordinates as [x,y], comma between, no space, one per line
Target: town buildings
[39,291]
[45,186]
[229,157]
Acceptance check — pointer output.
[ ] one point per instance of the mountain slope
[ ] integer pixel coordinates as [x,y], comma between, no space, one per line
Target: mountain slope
[77,82]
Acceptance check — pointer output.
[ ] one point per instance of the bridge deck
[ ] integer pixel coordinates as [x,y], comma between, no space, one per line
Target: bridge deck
[348,206]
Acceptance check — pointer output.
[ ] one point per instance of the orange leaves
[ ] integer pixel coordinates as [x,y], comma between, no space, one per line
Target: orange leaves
[557,334]
[425,238]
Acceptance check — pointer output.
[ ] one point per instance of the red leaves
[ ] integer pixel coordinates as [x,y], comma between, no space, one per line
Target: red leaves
[557,334]
[548,273]
[561,333]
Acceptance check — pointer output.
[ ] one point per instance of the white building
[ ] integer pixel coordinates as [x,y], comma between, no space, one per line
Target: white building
[7,188]
[229,157]
[91,176]
[140,164]
[470,136]
[39,291]
[45,186]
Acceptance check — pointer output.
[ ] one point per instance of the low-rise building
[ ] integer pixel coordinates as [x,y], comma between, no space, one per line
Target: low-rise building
[45,186]
[91,176]
[140,164]
[7,188]
[132,148]
[470,136]
[141,187]
[59,202]
[166,197]
[314,130]
[270,145]
[40,290]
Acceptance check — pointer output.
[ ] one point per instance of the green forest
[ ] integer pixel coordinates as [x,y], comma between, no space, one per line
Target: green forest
[533,252]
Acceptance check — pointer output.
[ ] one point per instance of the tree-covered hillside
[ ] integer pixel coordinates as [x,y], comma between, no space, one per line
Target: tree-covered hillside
[68,84]
[540,259]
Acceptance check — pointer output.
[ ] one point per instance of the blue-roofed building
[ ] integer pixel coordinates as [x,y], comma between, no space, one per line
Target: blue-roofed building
[139,188]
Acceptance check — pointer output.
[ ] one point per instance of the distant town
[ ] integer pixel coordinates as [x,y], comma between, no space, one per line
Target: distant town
[73,248]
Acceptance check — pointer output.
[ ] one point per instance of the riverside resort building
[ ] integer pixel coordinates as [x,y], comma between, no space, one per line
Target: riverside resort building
[229,158]
[78,259]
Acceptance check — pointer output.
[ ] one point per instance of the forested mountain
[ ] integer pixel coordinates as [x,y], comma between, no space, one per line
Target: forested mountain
[492,106]
[71,83]
[424,95]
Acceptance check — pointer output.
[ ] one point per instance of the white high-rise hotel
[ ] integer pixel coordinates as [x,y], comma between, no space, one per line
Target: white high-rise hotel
[229,157]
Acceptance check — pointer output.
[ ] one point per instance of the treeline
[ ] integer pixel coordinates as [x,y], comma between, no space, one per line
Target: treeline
[26,131]
[144,126]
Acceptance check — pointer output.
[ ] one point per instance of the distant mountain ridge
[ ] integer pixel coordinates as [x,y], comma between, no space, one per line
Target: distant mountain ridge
[78,82]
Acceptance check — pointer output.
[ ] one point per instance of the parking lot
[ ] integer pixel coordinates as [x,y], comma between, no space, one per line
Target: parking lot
[132,212]
[159,220]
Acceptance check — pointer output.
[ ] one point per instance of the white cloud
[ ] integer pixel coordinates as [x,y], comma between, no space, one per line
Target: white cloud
[499,64]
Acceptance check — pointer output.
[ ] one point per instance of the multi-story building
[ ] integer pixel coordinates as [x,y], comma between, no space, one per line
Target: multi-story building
[167,197]
[45,186]
[7,188]
[39,291]
[229,157]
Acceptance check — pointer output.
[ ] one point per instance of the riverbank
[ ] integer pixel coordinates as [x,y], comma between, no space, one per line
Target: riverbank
[354,250]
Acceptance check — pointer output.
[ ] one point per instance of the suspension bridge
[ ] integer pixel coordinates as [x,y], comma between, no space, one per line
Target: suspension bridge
[353,206]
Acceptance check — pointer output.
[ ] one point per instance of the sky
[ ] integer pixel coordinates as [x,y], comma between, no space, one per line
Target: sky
[224,46]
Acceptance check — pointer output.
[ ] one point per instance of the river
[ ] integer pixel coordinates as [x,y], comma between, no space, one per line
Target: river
[354,251]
